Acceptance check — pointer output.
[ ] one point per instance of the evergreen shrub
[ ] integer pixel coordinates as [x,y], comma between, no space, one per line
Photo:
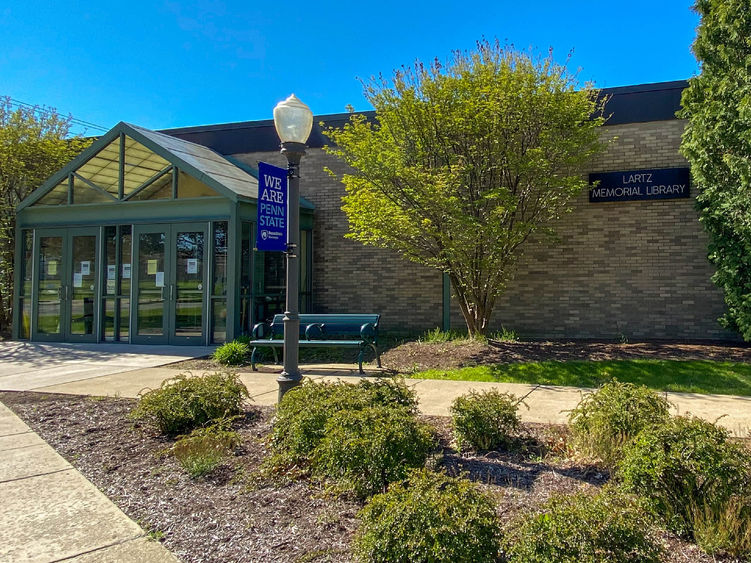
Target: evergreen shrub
[607,419]
[429,518]
[365,450]
[300,421]
[184,403]
[485,420]
[232,353]
[584,528]
[684,468]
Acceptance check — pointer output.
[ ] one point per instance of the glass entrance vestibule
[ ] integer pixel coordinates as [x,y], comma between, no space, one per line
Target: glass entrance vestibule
[176,266]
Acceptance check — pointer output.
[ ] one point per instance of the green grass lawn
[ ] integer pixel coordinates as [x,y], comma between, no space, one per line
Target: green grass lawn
[727,378]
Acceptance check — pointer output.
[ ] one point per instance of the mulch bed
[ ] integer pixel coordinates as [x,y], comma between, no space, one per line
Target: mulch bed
[415,356]
[232,515]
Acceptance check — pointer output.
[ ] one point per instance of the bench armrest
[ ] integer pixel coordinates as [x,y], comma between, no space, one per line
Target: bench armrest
[368,332]
[258,327]
[314,330]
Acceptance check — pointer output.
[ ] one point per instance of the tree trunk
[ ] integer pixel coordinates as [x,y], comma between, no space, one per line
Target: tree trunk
[475,311]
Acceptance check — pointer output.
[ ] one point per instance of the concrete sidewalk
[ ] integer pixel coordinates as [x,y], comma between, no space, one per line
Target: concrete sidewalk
[28,365]
[547,404]
[51,512]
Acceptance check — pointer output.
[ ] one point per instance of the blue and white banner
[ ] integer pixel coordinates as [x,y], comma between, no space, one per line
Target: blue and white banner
[272,208]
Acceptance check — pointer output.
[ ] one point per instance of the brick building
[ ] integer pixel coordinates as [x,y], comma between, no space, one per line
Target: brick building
[633,269]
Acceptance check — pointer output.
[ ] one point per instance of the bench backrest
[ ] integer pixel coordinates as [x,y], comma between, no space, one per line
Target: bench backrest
[334,326]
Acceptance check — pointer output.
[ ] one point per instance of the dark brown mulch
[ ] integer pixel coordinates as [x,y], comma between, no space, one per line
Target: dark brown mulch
[224,517]
[413,356]
[231,515]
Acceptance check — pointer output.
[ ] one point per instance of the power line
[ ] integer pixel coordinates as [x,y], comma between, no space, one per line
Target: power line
[48,111]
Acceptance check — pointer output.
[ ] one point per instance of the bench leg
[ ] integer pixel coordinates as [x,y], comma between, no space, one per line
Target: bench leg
[359,360]
[377,353]
[253,360]
[276,356]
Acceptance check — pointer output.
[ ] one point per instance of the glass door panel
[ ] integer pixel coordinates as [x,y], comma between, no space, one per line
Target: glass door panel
[51,294]
[150,299]
[83,286]
[189,283]
[170,283]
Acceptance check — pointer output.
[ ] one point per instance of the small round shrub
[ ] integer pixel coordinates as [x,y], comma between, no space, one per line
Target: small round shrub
[365,450]
[204,449]
[243,338]
[605,420]
[429,518]
[584,528]
[486,420]
[302,415]
[684,462]
[231,353]
[184,403]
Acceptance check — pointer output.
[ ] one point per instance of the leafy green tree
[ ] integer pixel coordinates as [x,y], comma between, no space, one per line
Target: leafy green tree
[717,143]
[34,144]
[465,162]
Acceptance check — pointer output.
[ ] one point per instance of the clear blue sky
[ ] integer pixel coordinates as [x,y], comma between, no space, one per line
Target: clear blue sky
[170,63]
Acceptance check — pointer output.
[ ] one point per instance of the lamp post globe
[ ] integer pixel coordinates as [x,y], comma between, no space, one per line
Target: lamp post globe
[293,121]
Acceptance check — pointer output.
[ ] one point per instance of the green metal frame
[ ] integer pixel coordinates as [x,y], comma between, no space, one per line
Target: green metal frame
[65,218]
[66,269]
[168,335]
[120,130]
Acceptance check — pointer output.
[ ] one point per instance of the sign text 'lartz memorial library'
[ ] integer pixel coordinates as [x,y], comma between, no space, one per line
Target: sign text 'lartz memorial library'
[633,185]
[272,208]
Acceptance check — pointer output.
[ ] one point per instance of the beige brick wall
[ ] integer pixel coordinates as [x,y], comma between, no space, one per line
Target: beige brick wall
[636,269]
[349,277]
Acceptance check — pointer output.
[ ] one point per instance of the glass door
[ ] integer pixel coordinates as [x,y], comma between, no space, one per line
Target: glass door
[82,277]
[151,261]
[49,305]
[188,284]
[170,284]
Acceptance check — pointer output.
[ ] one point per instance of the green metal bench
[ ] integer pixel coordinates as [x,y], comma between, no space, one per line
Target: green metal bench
[321,331]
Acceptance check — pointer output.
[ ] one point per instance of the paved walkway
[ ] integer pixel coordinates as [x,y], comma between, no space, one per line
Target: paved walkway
[50,512]
[33,363]
[547,404]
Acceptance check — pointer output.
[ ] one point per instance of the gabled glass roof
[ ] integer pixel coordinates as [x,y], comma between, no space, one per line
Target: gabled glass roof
[130,163]
[145,176]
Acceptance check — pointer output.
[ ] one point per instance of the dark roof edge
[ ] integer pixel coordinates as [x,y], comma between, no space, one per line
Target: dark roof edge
[657,101]
[256,123]
[648,87]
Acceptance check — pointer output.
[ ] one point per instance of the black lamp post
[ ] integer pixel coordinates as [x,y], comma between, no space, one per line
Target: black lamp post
[293,121]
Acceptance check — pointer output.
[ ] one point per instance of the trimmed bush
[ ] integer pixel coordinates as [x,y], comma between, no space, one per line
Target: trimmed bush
[584,528]
[184,403]
[607,419]
[430,518]
[486,420]
[302,415]
[365,450]
[683,465]
[205,448]
[231,353]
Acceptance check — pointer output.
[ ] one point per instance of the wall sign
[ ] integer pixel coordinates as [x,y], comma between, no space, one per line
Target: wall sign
[272,208]
[635,185]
